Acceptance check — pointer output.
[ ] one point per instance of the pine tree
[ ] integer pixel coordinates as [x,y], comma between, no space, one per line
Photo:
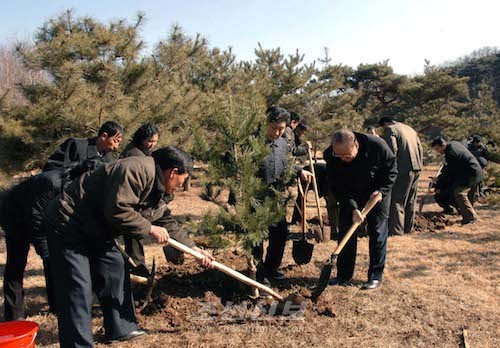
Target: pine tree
[234,150]
[93,69]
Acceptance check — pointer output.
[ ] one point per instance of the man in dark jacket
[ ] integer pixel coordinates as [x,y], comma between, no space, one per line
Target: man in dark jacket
[75,150]
[272,170]
[21,215]
[360,166]
[86,219]
[458,178]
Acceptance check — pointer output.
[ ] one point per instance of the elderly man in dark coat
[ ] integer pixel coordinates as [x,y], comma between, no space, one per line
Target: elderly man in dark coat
[75,150]
[360,166]
[86,219]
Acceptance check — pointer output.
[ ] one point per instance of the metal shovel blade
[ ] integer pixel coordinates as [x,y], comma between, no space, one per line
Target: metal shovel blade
[324,278]
[302,251]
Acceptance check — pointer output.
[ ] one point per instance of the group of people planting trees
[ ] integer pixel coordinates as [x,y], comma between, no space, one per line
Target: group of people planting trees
[85,203]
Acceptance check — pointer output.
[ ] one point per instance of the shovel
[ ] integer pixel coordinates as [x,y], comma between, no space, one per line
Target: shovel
[315,185]
[327,268]
[431,185]
[302,250]
[225,269]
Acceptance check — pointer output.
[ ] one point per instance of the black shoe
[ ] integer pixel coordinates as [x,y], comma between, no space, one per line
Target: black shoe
[132,335]
[371,284]
[467,222]
[449,211]
[274,274]
[340,282]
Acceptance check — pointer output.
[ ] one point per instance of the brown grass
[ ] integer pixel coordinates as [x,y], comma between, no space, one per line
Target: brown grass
[436,284]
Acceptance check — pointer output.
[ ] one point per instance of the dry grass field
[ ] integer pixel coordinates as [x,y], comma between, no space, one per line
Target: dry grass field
[437,283]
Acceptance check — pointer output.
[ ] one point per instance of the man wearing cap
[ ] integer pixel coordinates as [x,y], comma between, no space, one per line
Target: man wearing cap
[458,178]
[405,143]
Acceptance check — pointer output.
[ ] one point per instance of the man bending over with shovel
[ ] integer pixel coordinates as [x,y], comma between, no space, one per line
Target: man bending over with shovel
[361,166]
[85,221]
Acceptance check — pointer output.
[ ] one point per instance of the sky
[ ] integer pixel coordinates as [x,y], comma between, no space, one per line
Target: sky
[357,31]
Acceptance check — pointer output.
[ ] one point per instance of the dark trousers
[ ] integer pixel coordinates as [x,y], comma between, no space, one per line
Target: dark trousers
[79,268]
[378,230]
[276,248]
[135,249]
[17,257]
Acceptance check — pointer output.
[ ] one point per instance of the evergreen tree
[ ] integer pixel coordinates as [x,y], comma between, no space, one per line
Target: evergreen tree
[234,152]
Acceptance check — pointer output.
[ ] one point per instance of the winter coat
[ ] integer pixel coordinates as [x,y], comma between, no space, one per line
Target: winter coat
[121,198]
[75,150]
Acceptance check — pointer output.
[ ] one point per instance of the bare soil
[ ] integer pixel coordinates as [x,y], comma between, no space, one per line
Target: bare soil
[439,280]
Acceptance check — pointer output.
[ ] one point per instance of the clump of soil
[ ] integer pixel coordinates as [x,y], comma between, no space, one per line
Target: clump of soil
[431,222]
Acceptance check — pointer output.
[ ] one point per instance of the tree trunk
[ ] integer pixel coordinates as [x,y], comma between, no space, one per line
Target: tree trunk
[252,273]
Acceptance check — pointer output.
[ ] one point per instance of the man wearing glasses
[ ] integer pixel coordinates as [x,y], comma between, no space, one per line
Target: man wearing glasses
[360,166]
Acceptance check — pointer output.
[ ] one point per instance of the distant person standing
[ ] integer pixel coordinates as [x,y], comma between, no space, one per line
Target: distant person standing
[290,135]
[405,143]
[458,178]
[300,146]
[75,150]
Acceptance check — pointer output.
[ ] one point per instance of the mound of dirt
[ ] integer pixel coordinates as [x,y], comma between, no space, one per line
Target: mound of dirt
[431,222]
[188,294]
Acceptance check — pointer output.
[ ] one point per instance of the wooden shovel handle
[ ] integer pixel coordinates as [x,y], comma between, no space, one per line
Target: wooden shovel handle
[225,269]
[372,202]
[303,215]
[315,184]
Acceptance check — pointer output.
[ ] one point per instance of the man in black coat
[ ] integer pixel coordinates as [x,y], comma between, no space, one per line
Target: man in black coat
[21,215]
[360,166]
[75,150]
[458,178]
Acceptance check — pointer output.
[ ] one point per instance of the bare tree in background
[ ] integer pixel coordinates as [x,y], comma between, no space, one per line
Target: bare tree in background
[13,72]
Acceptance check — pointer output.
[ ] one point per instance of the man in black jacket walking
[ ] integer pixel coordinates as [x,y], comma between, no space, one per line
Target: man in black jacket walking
[360,166]
[458,178]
